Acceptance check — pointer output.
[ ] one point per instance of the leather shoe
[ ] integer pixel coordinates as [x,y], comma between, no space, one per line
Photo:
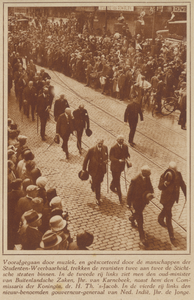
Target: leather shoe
[143,242]
[162,223]
[113,189]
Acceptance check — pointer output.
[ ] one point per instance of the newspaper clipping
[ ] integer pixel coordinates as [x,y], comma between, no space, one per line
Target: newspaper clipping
[96,126]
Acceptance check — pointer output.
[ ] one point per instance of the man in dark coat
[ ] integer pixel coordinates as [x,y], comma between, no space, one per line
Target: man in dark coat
[81,121]
[64,128]
[96,159]
[60,105]
[131,116]
[43,109]
[170,183]
[119,154]
[29,96]
[139,194]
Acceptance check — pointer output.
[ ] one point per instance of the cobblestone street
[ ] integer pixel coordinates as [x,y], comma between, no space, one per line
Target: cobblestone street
[158,141]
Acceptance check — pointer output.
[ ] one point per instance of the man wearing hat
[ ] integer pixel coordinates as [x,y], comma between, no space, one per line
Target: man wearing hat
[119,154]
[25,203]
[64,128]
[139,194]
[32,236]
[60,105]
[170,183]
[43,109]
[50,241]
[81,121]
[96,161]
[59,226]
[131,116]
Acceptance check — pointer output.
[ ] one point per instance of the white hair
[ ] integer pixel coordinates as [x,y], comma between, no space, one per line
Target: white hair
[172,165]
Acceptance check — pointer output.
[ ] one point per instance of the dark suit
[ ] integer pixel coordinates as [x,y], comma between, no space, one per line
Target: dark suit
[64,129]
[131,116]
[81,120]
[59,107]
[42,110]
[30,96]
[138,188]
[32,239]
[170,195]
[96,161]
[118,152]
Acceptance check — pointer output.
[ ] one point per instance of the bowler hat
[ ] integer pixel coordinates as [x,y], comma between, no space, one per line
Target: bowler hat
[88,132]
[83,175]
[57,223]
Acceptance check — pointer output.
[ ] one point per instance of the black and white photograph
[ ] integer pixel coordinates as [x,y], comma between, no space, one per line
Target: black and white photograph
[97,134]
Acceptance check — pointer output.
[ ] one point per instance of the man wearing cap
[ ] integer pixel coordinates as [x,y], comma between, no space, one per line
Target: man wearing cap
[119,154]
[139,194]
[81,121]
[60,105]
[64,128]
[33,236]
[96,160]
[170,183]
[131,116]
[43,109]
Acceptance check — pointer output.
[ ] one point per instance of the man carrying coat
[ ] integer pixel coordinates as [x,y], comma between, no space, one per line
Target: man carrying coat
[139,194]
[131,116]
[170,183]
[65,128]
[119,154]
[96,159]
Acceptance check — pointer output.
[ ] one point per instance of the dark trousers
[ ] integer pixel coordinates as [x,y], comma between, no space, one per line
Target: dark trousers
[65,141]
[79,138]
[182,118]
[115,183]
[43,121]
[28,106]
[96,182]
[138,216]
[167,213]
[132,131]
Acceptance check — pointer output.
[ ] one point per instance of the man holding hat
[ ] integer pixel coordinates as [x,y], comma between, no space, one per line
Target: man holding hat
[96,159]
[81,121]
[139,194]
[119,154]
[131,116]
[170,183]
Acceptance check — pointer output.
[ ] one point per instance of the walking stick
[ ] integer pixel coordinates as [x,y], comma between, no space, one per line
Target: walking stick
[37,123]
[22,111]
[125,179]
[182,208]
[107,178]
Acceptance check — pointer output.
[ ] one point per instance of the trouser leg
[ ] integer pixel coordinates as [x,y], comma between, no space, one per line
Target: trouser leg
[132,132]
[139,218]
[169,221]
[32,111]
[42,126]
[79,138]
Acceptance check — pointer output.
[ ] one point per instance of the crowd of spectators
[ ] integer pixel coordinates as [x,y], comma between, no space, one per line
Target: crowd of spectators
[122,65]
[37,218]
[112,62]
